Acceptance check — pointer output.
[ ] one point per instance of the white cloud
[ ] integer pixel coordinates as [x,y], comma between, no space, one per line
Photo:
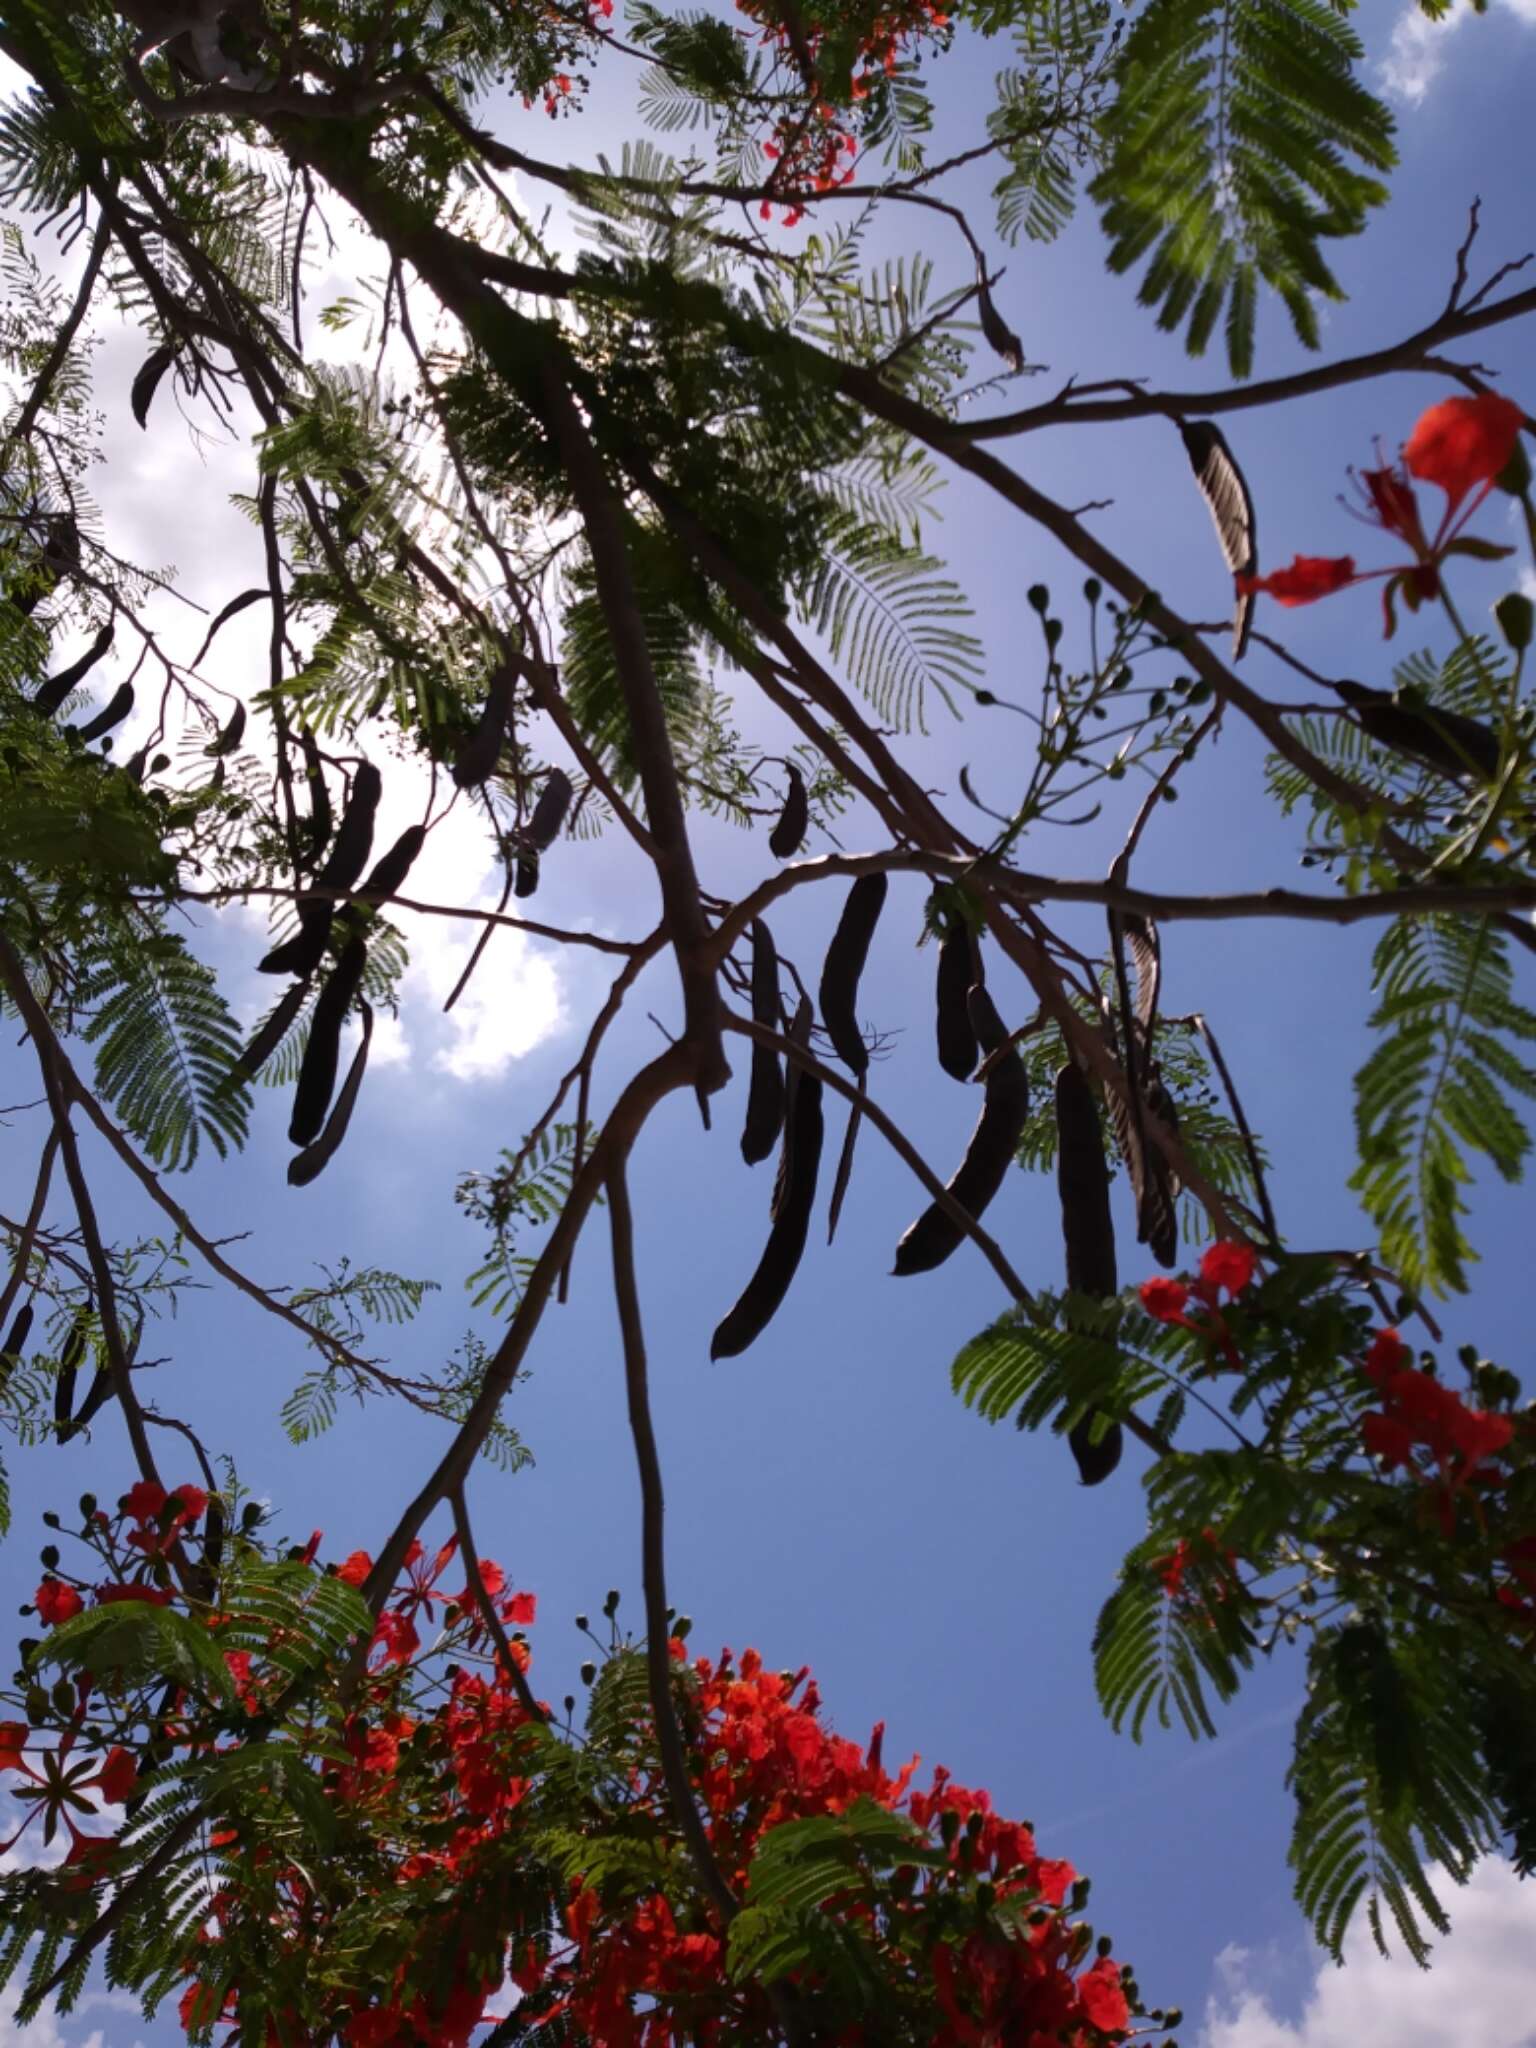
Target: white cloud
[1480,1991]
[43,2032]
[1416,52]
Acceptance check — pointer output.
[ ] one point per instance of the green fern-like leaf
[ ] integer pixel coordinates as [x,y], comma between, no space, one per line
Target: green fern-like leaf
[1230,149]
[165,1042]
[1439,1084]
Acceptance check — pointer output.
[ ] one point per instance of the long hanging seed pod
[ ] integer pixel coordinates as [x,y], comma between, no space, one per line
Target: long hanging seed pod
[765,1092]
[317,1076]
[1152,1180]
[1082,1180]
[1095,1460]
[113,712]
[527,873]
[146,381]
[1225,490]
[1448,741]
[319,796]
[230,734]
[958,1051]
[270,1035]
[51,694]
[995,1140]
[549,812]
[15,1342]
[844,965]
[388,873]
[313,1160]
[71,1356]
[476,760]
[302,953]
[788,834]
[800,1165]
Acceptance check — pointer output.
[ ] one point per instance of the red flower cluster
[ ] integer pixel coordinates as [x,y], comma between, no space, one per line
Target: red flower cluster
[1226,1268]
[438,1765]
[1203,1552]
[812,147]
[1417,1414]
[1461,445]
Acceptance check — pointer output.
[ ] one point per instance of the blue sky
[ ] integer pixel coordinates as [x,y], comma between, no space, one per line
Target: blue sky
[830,1501]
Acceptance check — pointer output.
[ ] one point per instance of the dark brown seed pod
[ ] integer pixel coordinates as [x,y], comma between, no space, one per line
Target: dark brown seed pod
[958,1052]
[1225,490]
[765,1092]
[1448,741]
[844,965]
[476,760]
[995,1140]
[1082,1180]
[1095,1461]
[1158,1216]
[314,1159]
[270,1034]
[15,1343]
[71,1356]
[147,382]
[319,796]
[97,1397]
[302,953]
[354,835]
[549,812]
[317,1076]
[389,871]
[230,735]
[527,874]
[214,1525]
[788,835]
[113,712]
[801,1164]
[999,335]
[52,693]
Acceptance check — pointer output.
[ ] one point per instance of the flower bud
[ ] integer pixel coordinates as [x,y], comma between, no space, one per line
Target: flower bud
[51,1520]
[1039,596]
[582,1623]
[611,1604]
[87,1506]
[49,1555]
[588,1672]
[1516,616]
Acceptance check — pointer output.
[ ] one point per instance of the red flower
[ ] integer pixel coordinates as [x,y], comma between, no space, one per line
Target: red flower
[1388,1354]
[1228,1265]
[190,1502]
[1164,1299]
[56,1602]
[356,1568]
[1463,443]
[1307,579]
[1103,2000]
[1386,1438]
[492,1578]
[144,1501]
[157,1596]
[117,1776]
[13,1737]
[522,1609]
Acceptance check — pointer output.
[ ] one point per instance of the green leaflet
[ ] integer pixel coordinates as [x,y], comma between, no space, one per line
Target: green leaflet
[1229,161]
[1386,1775]
[165,1042]
[798,1867]
[1442,1082]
